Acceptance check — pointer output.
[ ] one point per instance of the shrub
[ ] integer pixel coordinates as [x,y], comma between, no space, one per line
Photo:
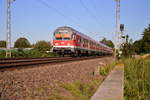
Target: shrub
[2,53]
[32,53]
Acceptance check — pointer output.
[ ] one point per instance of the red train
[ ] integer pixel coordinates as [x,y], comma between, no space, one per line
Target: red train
[69,41]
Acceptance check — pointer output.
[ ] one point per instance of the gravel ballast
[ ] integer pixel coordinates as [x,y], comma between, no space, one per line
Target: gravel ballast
[38,82]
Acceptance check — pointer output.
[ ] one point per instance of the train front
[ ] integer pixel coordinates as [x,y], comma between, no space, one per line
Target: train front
[63,41]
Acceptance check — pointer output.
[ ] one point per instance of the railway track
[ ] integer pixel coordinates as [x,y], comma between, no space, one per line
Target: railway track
[16,62]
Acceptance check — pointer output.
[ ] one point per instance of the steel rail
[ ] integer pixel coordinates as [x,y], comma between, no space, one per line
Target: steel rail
[35,61]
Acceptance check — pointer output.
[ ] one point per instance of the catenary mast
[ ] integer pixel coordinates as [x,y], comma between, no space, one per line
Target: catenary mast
[8,28]
[118,32]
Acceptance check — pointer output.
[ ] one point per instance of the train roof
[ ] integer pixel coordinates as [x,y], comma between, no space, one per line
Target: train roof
[81,34]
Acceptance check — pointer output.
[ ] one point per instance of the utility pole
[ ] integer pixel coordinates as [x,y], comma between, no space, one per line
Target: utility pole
[117,33]
[8,28]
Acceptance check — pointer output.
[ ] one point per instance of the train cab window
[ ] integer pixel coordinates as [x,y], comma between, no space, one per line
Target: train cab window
[63,35]
[58,38]
[66,38]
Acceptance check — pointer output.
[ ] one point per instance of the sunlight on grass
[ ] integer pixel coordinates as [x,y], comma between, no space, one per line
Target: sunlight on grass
[137,79]
[104,70]
[82,91]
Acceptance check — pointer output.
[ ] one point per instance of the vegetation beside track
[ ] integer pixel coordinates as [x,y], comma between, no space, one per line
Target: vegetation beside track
[104,70]
[138,47]
[27,53]
[79,90]
[76,91]
[137,79]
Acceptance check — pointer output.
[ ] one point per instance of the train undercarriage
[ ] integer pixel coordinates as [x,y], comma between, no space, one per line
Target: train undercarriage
[78,52]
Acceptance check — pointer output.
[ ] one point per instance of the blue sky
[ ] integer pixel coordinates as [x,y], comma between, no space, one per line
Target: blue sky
[36,20]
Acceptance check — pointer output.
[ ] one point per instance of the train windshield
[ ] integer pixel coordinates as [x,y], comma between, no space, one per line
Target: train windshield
[63,35]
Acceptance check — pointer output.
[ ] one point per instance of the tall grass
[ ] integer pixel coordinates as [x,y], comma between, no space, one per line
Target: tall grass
[78,91]
[104,70]
[137,79]
[82,91]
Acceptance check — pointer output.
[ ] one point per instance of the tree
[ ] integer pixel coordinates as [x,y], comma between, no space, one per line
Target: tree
[127,47]
[146,40]
[2,44]
[138,46]
[22,43]
[107,42]
[42,46]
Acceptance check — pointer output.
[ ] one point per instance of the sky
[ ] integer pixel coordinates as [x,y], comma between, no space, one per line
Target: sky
[37,19]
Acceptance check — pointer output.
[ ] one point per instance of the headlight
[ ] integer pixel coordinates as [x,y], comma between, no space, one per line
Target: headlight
[56,43]
[68,44]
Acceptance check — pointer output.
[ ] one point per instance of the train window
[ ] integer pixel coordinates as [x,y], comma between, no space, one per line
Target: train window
[58,38]
[66,39]
[79,39]
[74,36]
[63,36]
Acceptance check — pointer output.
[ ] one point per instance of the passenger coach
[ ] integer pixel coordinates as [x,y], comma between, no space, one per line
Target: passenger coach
[67,40]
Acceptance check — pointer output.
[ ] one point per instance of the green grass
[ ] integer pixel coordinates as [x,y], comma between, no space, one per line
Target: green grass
[77,90]
[104,70]
[57,96]
[137,79]
[81,91]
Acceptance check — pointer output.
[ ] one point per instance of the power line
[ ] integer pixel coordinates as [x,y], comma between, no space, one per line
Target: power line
[67,6]
[94,6]
[60,13]
[90,13]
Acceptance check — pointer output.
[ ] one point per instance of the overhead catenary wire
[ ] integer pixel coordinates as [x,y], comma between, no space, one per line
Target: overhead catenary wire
[89,12]
[60,13]
[94,7]
[70,15]
[91,15]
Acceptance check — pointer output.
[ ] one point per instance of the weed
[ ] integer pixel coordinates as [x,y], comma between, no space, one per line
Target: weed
[104,70]
[57,97]
[81,91]
[137,79]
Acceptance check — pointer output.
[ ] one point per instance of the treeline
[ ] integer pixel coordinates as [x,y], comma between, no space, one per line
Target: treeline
[42,48]
[23,48]
[138,47]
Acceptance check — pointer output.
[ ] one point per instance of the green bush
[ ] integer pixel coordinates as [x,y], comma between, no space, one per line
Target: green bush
[2,53]
[32,53]
[14,53]
[19,53]
[27,53]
